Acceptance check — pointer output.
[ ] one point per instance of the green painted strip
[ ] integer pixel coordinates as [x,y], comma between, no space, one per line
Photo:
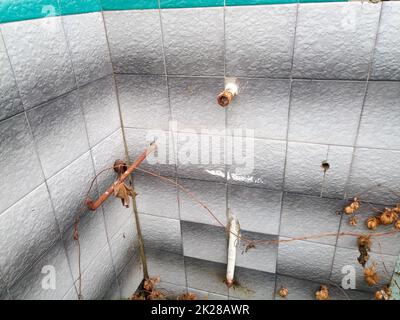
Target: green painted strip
[166,4]
[129,4]
[266,2]
[16,10]
[316,1]
[79,6]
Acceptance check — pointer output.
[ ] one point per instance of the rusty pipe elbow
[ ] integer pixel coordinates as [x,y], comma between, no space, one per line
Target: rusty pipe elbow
[225,98]
[230,90]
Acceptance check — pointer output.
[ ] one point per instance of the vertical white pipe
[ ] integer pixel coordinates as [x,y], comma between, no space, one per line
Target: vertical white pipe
[232,246]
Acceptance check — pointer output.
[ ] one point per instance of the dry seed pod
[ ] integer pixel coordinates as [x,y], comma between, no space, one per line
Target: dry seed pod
[322,293]
[187,296]
[384,294]
[365,241]
[348,210]
[371,276]
[355,205]
[387,217]
[352,207]
[283,292]
[353,221]
[372,223]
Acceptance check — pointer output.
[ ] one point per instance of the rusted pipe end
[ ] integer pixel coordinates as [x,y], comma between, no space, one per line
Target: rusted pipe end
[90,204]
[225,98]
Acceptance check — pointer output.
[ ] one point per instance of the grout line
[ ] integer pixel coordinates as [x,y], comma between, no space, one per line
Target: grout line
[140,243]
[246,77]
[287,144]
[172,133]
[363,103]
[358,128]
[272,139]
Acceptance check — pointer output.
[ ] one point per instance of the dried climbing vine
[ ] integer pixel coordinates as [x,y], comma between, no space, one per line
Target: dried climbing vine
[386,217]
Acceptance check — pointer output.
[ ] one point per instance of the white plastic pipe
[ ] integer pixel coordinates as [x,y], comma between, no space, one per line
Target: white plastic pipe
[233,233]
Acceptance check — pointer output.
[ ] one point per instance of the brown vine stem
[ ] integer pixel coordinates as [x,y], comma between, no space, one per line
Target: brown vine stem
[76,229]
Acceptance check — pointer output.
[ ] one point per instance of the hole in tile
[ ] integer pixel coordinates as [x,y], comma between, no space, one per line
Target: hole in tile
[325,165]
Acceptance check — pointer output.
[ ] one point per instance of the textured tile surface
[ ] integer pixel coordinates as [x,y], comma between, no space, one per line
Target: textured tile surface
[371,168]
[89,49]
[201,156]
[257,209]
[262,105]
[315,103]
[16,143]
[156,197]
[168,266]
[59,132]
[256,162]
[196,47]
[10,100]
[335,40]
[144,101]
[27,230]
[135,41]
[381,111]
[306,260]
[113,292]
[214,194]
[39,55]
[259,40]
[161,162]
[262,256]
[387,53]
[204,295]
[253,285]
[206,275]
[348,257]
[30,287]
[92,238]
[124,244]
[203,241]
[299,289]
[100,109]
[305,216]
[130,278]
[194,104]
[161,233]
[98,278]
[68,195]
[304,173]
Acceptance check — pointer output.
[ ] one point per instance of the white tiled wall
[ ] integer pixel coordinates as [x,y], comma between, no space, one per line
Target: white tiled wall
[308,77]
[60,125]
